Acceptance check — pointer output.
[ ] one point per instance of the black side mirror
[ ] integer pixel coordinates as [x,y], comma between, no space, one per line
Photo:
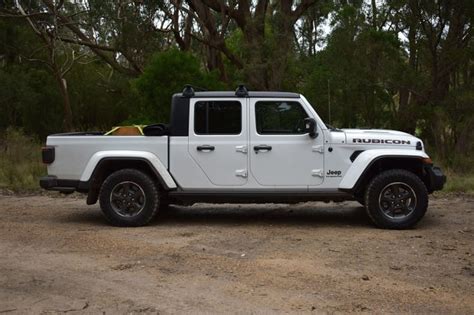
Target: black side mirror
[310,127]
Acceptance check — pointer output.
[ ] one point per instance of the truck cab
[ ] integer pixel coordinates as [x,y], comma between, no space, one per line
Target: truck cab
[255,143]
[244,146]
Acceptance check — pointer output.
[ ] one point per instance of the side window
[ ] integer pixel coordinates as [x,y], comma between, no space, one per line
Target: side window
[218,118]
[279,117]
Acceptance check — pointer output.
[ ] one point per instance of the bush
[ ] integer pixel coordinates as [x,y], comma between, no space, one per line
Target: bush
[166,74]
[20,161]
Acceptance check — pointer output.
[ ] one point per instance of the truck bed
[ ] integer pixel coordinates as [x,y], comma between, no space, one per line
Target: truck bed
[74,150]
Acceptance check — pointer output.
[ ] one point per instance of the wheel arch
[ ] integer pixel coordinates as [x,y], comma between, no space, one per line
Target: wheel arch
[368,164]
[100,166]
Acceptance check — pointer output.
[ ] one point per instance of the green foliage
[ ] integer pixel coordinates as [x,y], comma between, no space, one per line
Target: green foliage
[354,73]
[100,97]
[20,161]
[128,25]
[234,41]
[166,74]
[29,99]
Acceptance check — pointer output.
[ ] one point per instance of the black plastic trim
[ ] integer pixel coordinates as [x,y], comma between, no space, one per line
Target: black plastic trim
[355,154]
[257,197]
[179,126]
[63,185]
[262,147]
[86,133]
[436,178]
[188,91]
[205,148]
[241,91]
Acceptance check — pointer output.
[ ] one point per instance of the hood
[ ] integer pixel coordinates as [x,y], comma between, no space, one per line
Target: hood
[376,132]
[380,137]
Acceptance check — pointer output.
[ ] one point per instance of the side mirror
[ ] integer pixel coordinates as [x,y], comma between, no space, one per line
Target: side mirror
[310,127]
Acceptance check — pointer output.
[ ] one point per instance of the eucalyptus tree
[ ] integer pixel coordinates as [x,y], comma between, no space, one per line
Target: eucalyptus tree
[437,86]
[267,28]
[60,58]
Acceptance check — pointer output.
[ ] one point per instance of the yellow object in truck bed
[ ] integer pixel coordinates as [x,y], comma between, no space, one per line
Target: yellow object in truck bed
[135,130]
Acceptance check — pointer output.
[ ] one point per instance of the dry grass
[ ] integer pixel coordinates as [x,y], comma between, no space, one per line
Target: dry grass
[20,161]
[457,182]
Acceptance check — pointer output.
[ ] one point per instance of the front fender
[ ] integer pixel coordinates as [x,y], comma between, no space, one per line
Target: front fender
[151,158]
[367,158]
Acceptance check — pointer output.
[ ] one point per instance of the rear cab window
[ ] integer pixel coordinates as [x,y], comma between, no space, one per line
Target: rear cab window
[217,118]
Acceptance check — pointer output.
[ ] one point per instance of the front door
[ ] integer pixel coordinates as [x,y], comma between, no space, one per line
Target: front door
[218,139]
[281,152]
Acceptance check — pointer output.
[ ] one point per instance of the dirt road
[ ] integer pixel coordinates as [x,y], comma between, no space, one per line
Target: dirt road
[58,255]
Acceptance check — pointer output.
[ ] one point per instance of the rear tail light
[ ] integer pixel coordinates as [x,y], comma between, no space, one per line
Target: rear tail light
[47,153]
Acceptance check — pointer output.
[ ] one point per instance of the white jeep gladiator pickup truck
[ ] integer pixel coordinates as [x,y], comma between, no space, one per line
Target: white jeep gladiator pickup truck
[244,147]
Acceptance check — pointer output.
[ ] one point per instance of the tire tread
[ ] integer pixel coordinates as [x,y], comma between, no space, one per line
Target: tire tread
[382,179]
[143,218]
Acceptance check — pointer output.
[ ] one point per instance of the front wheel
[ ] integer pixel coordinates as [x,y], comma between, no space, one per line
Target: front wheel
[396,199]
[129,197]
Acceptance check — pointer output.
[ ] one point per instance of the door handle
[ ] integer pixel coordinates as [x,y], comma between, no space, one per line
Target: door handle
[262,147]
[205,148]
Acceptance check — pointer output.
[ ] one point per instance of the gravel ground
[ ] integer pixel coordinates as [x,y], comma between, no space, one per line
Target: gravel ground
[59,256]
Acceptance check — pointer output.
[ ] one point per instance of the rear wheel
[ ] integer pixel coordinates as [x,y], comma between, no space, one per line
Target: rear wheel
[129,197]
[396,199]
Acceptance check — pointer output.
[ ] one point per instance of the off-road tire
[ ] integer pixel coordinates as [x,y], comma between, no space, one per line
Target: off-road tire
[148,188]
[382,180]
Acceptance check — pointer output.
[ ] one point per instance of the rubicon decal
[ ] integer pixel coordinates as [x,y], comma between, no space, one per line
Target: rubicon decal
[386,141]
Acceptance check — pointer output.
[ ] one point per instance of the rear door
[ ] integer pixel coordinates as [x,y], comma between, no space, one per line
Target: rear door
[218,139]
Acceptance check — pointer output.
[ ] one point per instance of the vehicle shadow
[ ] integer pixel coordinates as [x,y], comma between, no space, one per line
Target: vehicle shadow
[265,215]
[314,214]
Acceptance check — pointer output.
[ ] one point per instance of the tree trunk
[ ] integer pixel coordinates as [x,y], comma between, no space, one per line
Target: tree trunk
[405,114]
[278,61]
[256,67]
[67,111]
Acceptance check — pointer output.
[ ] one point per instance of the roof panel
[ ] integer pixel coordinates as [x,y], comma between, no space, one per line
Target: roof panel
[263,94]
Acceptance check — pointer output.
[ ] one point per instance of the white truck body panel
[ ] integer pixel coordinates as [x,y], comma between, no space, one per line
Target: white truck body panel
[184,168]
[124,154]
[365,159]
[295,160]
[225,165]
[73,153]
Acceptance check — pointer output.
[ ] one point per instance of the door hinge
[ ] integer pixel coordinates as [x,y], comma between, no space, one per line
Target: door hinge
[241,148]
[318,148]
[317,173]
[241,173]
